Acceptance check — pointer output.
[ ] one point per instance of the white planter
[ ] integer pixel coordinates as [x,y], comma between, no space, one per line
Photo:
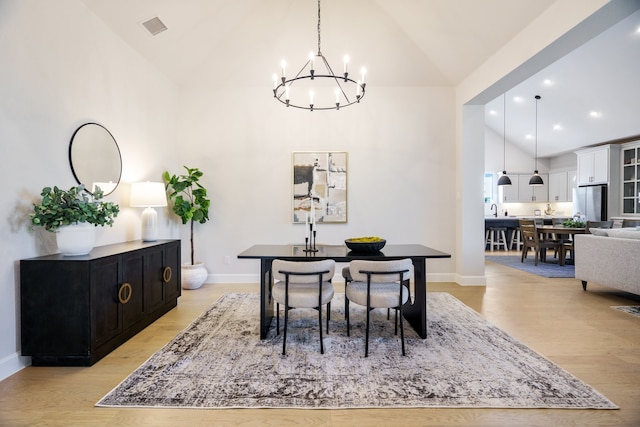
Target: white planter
[76,239]
[193,276]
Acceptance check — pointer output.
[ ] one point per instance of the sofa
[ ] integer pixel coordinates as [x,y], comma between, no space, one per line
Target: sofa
[609,257]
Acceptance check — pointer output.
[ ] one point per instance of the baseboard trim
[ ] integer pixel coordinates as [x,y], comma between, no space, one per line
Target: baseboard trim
[471,280]
[13,363]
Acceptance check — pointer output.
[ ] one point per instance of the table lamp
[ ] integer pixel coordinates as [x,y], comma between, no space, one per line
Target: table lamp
[148,195]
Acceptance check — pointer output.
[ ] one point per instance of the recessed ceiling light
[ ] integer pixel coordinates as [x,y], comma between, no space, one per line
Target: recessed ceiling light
[518,99]
[594,114]
[557,126]
[528,136]
[548,82]
[493,112]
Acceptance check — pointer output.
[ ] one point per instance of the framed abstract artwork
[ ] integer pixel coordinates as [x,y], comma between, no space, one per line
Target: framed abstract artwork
[319,186]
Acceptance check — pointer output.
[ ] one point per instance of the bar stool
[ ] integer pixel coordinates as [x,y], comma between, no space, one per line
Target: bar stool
[515,239]
[496,237]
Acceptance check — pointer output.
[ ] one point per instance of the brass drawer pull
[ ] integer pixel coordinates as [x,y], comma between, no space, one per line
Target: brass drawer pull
[166,274]
[124,293]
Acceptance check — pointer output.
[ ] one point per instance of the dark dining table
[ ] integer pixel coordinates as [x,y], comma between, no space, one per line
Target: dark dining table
[414,312]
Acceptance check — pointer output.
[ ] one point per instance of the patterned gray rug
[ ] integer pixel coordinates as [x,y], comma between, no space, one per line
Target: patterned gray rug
[544,269]
[630,309]
[220,362]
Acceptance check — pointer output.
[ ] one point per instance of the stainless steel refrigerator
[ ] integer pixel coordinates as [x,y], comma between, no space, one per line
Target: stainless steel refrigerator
[591,201]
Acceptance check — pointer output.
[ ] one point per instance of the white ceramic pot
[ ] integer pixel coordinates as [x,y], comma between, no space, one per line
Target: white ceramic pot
[76,239]
[193,275]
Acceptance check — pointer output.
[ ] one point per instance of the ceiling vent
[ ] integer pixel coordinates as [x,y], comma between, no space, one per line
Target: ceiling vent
[154,26]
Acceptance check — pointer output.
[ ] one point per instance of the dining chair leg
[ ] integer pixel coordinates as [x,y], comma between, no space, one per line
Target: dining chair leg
[328,315]
[277,319]
[284,336]
[366,340]
[401,331]
[346,313]
[320,328]
[395,321]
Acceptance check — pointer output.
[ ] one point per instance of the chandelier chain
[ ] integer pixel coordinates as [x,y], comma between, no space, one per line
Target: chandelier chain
[319,52]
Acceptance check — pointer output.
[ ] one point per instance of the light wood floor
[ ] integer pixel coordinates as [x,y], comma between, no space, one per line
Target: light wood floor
[575,329]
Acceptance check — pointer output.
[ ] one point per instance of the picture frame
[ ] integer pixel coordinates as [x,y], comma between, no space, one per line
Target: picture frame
[319,186]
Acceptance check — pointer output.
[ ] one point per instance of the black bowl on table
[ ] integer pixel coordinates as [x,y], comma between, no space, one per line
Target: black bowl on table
[366,247]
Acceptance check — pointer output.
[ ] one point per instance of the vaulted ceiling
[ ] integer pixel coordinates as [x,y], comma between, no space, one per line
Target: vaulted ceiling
[402,43]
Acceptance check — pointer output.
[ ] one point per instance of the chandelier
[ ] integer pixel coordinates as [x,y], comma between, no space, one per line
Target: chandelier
[314,88]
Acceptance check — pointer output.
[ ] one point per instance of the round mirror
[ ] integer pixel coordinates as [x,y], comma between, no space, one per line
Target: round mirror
[95,158]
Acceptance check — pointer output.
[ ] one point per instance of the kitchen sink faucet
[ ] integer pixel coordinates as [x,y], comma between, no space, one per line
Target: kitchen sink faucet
[495,214]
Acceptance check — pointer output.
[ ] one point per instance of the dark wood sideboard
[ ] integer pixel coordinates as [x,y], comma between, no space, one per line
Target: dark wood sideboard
[77,309]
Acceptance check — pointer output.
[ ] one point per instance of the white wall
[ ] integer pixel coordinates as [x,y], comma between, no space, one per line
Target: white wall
[547,38]
[414,175]
[60,68]
[400,154]
[517,160]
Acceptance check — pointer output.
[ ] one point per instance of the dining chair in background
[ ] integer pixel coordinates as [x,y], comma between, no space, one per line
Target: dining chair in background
[379,284]
[302,284]
[531,238]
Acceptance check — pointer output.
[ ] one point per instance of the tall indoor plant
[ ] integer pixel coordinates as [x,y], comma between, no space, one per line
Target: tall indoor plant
[191,204]
[73,215]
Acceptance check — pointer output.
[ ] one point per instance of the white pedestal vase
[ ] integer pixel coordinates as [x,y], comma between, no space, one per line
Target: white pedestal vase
[193,275]
[76,239]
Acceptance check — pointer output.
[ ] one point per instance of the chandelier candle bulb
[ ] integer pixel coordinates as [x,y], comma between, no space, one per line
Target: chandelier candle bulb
[283,65]
[346,65]
[363,71]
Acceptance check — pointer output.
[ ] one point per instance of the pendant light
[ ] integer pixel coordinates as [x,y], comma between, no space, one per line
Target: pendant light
[504,179]
[536,180]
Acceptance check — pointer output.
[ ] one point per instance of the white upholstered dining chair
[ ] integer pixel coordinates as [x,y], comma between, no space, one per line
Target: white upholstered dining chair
[378,284]
[302,284]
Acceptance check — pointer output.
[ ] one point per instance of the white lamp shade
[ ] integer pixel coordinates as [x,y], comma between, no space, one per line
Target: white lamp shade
[148,194]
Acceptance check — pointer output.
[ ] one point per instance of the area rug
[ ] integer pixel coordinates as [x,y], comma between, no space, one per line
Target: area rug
[465,362]
[545,269]
[630,309]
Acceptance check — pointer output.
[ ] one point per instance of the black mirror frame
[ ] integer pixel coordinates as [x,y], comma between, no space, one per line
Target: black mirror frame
[73,170]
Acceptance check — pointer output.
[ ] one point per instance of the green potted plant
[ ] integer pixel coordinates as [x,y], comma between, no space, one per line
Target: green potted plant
[190,203]
[73,215]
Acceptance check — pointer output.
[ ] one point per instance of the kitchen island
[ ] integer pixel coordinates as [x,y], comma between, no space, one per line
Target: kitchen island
[512,223]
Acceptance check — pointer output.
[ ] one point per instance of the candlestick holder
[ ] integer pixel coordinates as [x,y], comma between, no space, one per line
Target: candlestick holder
[310,241]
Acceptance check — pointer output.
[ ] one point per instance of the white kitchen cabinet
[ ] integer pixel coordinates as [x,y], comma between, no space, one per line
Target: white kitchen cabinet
[594,164]
[631,178]
[572,184]
[509,193]
[528,193]
[559,190]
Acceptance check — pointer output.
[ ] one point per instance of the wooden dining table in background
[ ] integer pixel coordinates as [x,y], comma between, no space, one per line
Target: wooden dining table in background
[562,229]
